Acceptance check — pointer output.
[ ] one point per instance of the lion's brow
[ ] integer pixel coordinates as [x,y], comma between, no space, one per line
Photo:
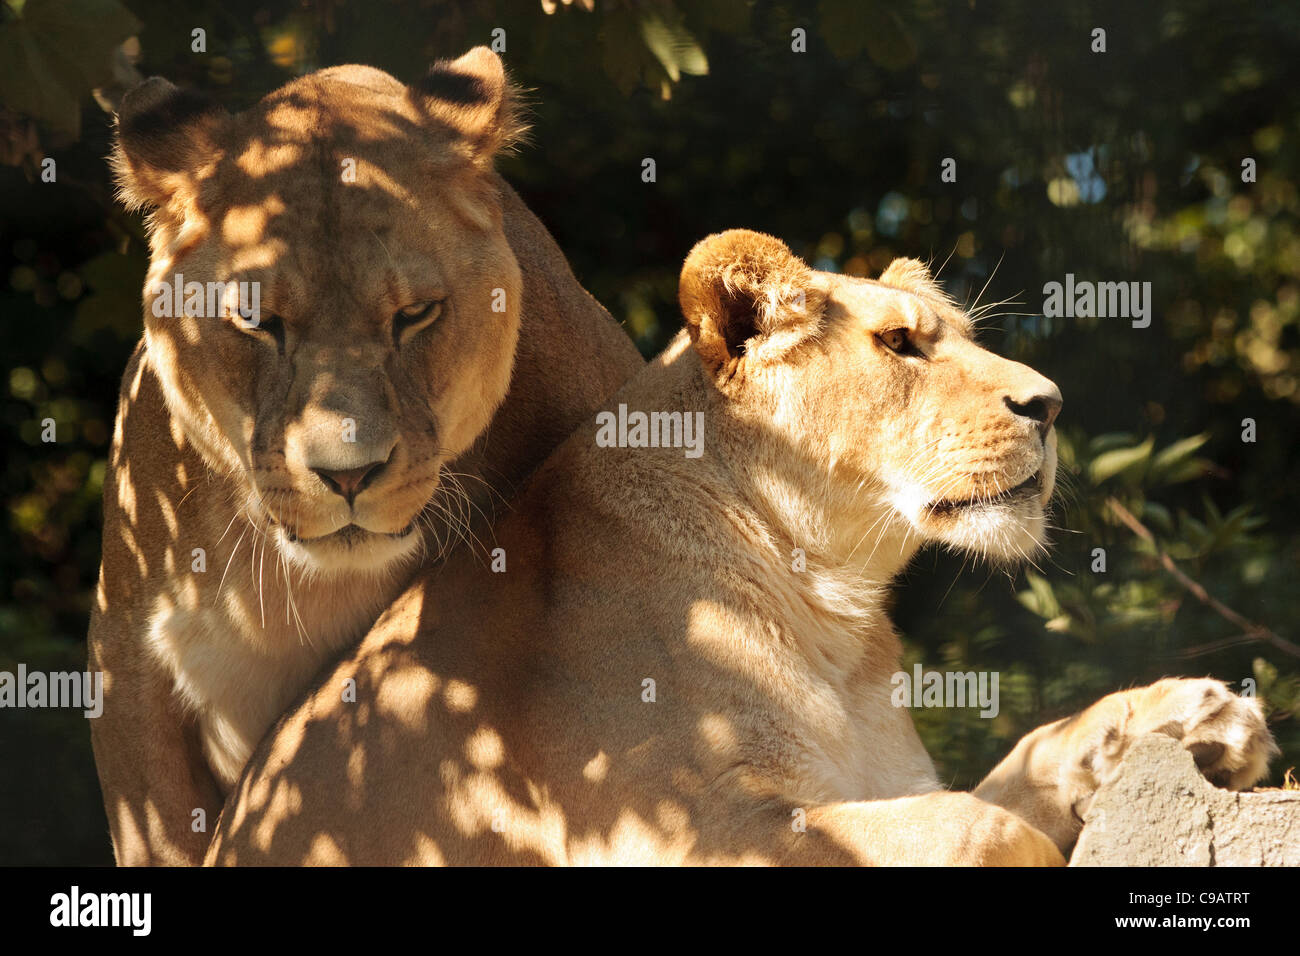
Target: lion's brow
[946,310]
[960,319]
[942,306]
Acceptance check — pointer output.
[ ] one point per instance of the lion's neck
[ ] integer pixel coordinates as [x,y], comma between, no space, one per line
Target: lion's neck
[829,595]
[753,504]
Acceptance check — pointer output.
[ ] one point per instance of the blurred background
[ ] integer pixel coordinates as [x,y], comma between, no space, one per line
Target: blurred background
[1125,165]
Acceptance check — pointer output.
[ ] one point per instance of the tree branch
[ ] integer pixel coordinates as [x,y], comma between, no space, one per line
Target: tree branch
[1250,630]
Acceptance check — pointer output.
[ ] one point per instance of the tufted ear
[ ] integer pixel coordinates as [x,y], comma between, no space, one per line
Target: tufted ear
[745,295]
[473,98]
[164,134]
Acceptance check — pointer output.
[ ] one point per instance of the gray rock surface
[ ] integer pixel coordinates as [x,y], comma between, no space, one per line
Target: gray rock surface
[1160,811]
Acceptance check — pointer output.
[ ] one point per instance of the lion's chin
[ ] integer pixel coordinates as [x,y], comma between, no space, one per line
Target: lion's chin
[350,550]
[1009,531]
[1006,529]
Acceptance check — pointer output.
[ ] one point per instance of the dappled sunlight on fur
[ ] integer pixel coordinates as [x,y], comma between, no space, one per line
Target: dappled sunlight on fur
[627,565]
[689,660]
[273,485]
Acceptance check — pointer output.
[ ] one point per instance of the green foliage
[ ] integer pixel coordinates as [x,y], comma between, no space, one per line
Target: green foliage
[1124,166]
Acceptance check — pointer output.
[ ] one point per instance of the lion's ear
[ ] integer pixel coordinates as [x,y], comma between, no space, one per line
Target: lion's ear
[163,134]
[911,275]
[746,295]
[472,97]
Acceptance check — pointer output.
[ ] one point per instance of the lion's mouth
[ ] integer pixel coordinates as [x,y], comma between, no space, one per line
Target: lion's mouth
[349,535]
[1027,488]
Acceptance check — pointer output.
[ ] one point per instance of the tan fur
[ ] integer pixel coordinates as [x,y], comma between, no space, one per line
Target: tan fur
[508,718]
[221,432]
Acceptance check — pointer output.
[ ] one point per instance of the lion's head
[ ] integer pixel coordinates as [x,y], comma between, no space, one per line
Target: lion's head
[331,304]
[899,425]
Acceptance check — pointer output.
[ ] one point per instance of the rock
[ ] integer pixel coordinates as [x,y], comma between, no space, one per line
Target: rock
[1160,811]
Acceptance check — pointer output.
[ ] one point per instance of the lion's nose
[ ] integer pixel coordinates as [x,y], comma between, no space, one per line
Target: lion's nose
[350,482]
[1042,409]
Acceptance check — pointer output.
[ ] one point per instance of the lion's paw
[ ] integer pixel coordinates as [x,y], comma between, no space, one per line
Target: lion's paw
[1226,734]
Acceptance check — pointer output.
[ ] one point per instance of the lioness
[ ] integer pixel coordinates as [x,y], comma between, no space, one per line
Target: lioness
[276,478]
[654,680]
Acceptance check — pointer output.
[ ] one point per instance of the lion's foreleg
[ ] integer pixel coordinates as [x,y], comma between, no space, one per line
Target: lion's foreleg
[151,767]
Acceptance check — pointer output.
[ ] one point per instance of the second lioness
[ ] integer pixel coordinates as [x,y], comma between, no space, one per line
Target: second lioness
[656,680]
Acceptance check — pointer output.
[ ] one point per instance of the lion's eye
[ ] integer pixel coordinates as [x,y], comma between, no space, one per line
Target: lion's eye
[898,341]
[895,340]
[266,325]
[409,319]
